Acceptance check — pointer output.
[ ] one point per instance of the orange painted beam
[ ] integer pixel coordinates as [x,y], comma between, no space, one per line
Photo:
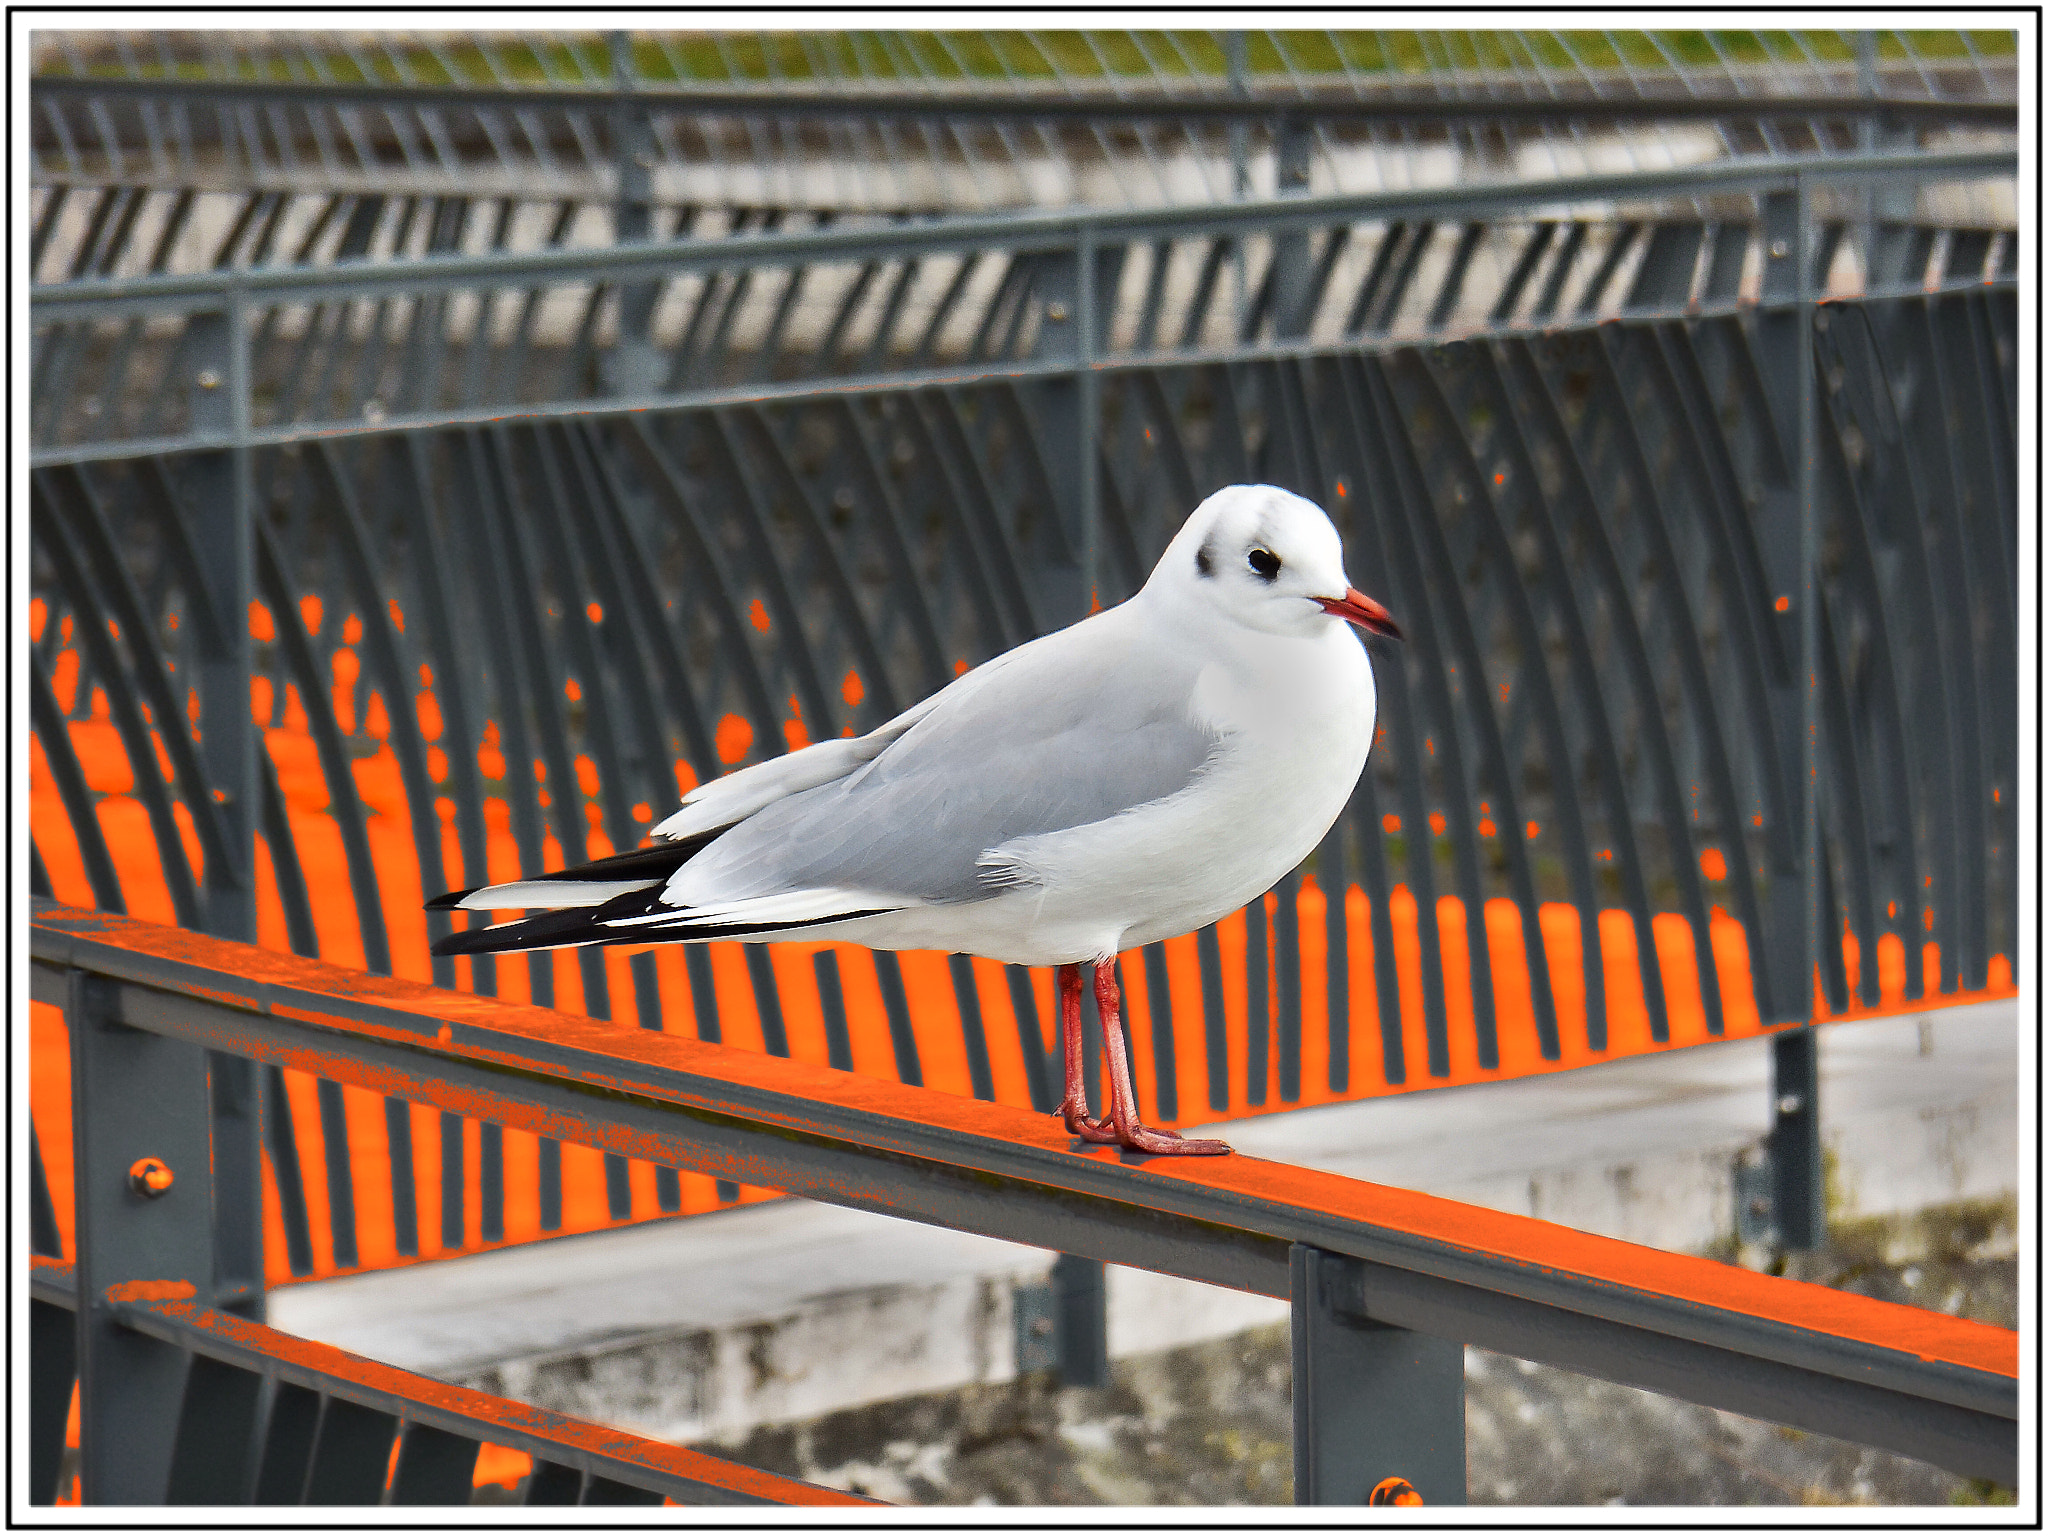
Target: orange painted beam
[393,1035]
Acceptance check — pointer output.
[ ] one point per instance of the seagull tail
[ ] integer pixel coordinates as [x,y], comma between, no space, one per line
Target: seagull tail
[583,894]
[584,885]
[601,924]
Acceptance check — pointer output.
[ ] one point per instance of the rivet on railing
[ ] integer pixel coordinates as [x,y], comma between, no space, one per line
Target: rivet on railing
[1780,250]
[1055,310]
[150,1177]
[1790,1104]
[1393,1490]
[206,378]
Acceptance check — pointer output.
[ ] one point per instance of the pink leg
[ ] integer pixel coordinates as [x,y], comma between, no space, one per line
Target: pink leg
[1074,1102]
[1123,1103]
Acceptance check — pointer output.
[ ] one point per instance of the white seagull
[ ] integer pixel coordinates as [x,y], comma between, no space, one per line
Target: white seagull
[1131,777]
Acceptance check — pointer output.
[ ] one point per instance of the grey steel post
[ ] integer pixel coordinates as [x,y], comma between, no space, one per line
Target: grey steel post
[1790,529]
[1069,285]
[1784,535]
[1800,1198]
[1371,1401]
[1799,1186]
[1887,207]
[1294,140]
[1235,58]
[224,503]
[1081,1320]
[222,494]
[1089,392]
[144,1189]
[633,366]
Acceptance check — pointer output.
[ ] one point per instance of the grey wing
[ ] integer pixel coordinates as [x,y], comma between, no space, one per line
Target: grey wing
[1040,751]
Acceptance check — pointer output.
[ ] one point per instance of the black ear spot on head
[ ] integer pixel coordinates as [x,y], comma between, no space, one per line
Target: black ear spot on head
[1204,562]
[1265,562]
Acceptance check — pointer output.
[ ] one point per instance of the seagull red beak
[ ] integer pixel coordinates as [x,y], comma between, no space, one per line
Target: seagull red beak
[1362,611]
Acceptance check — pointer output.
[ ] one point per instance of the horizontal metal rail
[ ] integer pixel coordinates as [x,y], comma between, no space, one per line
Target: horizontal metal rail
[1916,1382]
[806,390]
[166,1311]
[90,298]
[1086,106]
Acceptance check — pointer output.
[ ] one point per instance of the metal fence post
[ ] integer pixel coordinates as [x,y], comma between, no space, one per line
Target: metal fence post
[633,366]
[1294,139]
[1070,288]
[1081,1320]
[1087,344]
[1371,1401]
[1067,328]
[1789,535]
[144,1186]
[224,498]
[1235,64]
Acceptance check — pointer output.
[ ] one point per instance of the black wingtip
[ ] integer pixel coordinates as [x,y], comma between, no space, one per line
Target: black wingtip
[470,941]
[655,861]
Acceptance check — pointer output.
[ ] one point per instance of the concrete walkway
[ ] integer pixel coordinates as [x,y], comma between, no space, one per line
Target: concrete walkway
[700,1327]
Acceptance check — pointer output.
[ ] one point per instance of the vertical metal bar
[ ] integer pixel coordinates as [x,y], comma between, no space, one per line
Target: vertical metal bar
[288,1431]
[552,1483]
[1293,141]
[604,1490]
[1159,1003]
[768,1000]
[832,1002]
[1215,1027]
[351,1454]
[668,1187]
[1090,391]
[1786,529]
[974,1036]
[1081,1321]
[134,1096]
[454,1220]
[1030,1039]
[1287,976]
[1059,563]
[1371,1401]
[1798,1198]
[896,1004]
[341,1194]
[1235,58]
[633,366]
[215,1453]
[490,1182]
[52,1371]
[284,1163]
[1258,1022]
[434,1467]
[1798,1202]
[228,746]
[405,1215]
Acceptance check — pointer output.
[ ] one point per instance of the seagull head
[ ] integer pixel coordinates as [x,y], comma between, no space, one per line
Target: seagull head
[1269,560]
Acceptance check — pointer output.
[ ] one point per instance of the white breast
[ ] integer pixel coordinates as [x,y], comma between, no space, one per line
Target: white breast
[1295,720]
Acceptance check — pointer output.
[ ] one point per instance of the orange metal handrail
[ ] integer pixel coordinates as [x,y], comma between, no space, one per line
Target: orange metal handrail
[1803,1354]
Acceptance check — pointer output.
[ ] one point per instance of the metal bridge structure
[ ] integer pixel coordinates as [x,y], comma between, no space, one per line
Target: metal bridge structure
[446,451]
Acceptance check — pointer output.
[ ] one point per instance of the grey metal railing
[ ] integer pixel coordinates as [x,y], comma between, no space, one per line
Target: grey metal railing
[937,120]
[1386,1285]
[1623,474]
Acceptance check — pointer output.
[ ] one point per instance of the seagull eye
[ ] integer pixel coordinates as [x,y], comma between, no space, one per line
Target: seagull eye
[1266,563]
